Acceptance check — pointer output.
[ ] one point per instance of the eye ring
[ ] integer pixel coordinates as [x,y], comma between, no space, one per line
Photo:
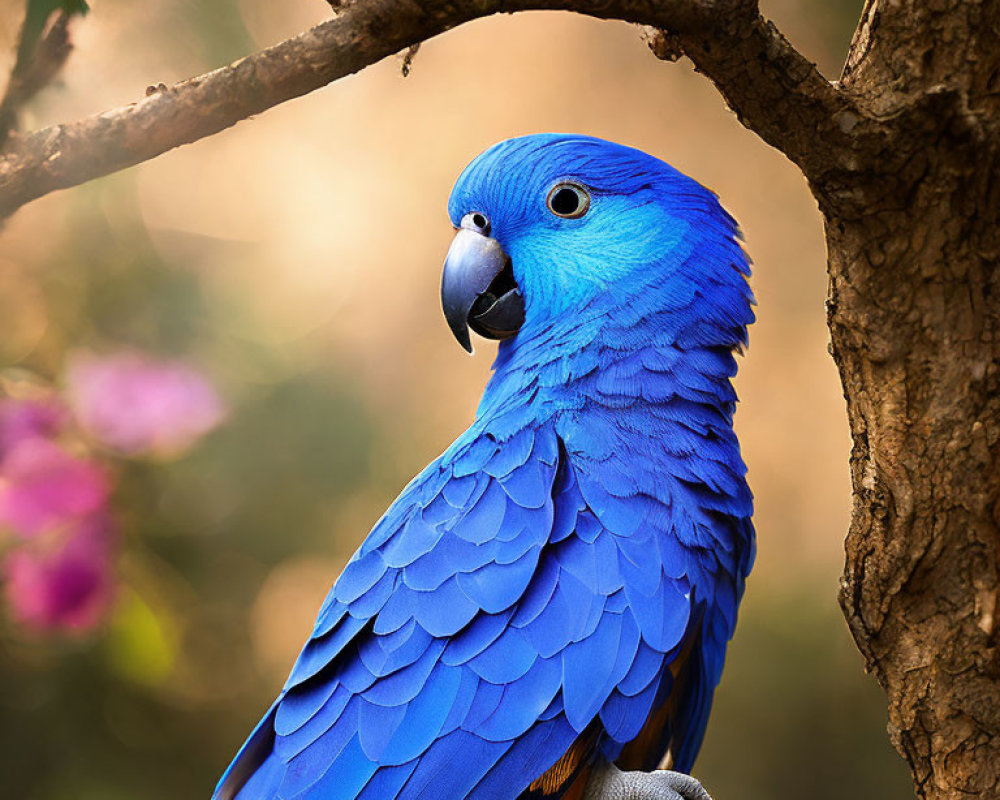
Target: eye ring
[568,200]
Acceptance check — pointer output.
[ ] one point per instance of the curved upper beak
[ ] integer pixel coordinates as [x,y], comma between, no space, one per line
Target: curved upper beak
[477,286]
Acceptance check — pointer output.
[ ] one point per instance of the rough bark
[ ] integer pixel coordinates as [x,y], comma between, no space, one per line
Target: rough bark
[913,234]
[903,156]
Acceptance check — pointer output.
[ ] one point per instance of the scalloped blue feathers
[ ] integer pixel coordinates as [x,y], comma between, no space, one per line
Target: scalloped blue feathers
[561,584]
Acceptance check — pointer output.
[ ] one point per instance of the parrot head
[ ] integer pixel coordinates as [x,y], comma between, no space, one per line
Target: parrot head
[548,225]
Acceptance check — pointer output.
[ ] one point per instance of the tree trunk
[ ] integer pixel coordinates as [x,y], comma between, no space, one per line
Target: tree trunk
[913,231]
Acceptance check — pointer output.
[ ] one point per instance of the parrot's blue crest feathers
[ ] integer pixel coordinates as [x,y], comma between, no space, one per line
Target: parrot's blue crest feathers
[560,585]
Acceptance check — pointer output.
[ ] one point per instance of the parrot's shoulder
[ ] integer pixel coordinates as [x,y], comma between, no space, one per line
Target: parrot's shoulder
[462,538]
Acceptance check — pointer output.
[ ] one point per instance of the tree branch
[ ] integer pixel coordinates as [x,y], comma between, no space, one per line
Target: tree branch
[779,94]
[773,88]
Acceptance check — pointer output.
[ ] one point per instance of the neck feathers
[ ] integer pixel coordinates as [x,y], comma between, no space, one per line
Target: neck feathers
[672,337]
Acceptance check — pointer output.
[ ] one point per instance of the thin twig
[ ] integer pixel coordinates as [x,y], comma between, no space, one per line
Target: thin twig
[408,56]
[34,70]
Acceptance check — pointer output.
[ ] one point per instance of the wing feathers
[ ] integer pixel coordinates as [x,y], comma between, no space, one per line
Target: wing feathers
[506,619]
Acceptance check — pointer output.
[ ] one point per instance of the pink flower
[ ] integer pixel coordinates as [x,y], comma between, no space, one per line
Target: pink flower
[26,419]
[68,586]
[58,571]
[136,405]
[42,487]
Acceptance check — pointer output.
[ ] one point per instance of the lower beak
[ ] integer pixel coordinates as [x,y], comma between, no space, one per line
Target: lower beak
[478,290]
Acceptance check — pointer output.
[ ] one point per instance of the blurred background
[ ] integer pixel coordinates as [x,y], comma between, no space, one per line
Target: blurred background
[271,296]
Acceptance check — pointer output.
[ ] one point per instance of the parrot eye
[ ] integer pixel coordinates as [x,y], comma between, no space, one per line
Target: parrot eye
[568,200]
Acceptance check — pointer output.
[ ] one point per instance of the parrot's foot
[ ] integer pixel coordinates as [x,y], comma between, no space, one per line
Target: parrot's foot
[610,783]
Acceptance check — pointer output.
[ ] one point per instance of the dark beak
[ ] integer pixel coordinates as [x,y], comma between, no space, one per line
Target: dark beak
[478,290]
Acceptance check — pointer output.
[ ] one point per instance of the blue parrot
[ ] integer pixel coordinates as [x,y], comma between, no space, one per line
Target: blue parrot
[555,593]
